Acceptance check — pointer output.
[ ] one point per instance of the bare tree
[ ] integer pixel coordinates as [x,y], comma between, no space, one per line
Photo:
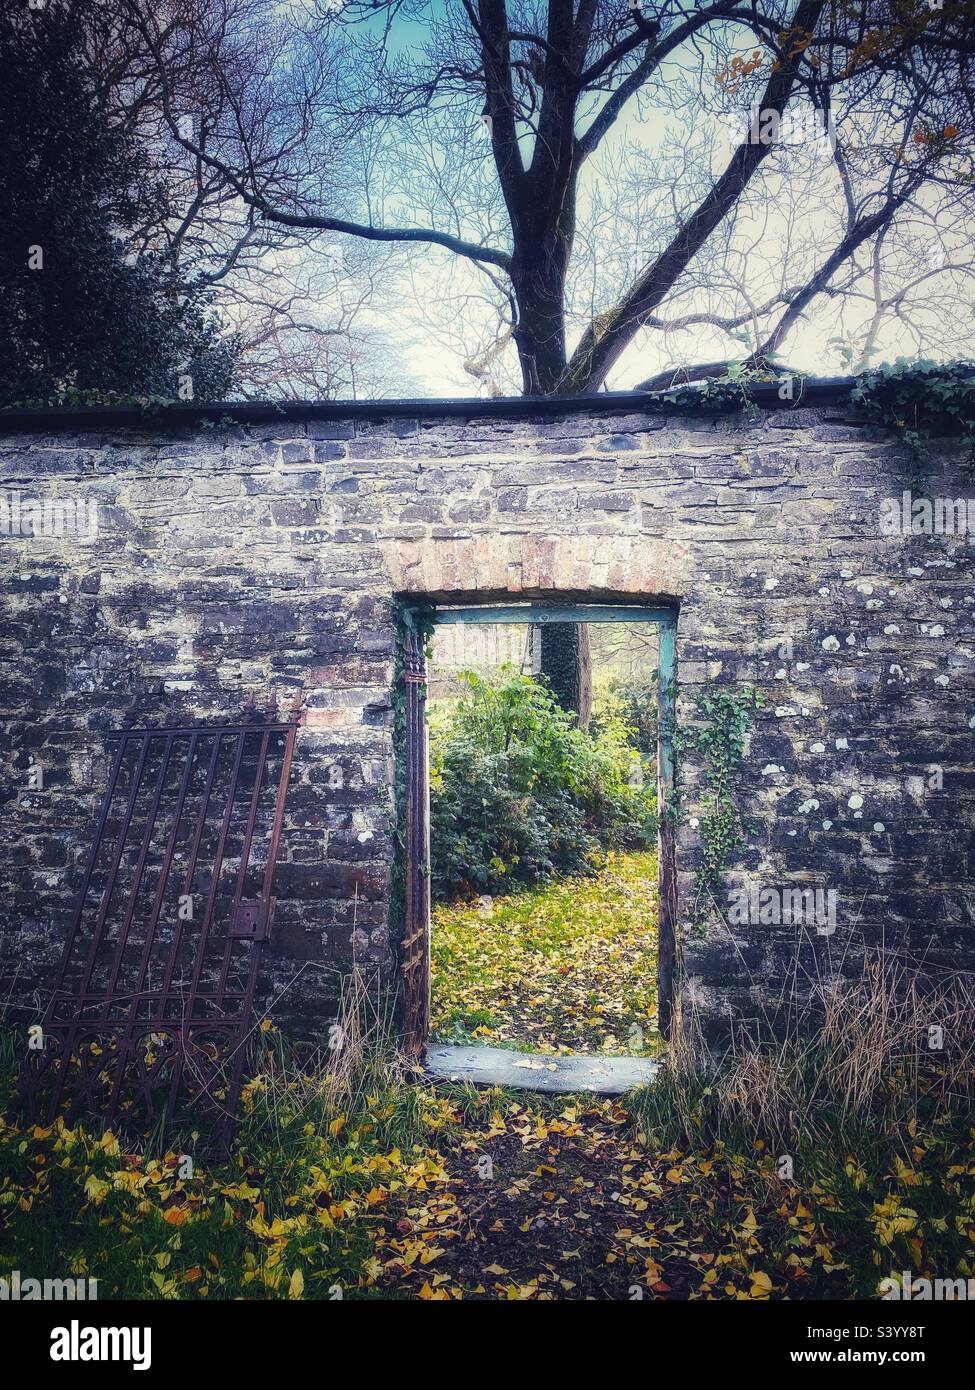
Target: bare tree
[476,128]
[910,283]
[303,308]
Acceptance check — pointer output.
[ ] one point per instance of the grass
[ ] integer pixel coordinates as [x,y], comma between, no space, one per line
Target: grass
[353,1178]
[862,1097]
[321,1134]
[570,967]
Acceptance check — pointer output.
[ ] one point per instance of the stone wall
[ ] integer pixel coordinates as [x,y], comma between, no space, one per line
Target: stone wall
[267,555]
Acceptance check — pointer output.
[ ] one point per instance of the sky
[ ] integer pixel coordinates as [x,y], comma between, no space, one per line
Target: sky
[777,240]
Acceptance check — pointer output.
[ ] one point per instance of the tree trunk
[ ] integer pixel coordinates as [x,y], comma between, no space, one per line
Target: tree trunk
[543,224]
[540,331]
[566,665]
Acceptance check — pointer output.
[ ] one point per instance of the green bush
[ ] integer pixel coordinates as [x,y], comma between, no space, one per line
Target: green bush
[632,704]
[521,794]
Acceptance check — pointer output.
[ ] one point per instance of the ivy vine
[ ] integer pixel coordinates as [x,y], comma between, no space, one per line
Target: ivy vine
[918,401]
[921,401]
[727,392]
[718,738]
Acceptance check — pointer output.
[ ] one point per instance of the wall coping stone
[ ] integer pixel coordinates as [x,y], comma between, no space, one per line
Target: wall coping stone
[823,391]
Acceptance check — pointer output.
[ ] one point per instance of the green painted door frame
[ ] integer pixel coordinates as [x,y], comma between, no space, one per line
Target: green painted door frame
[665,619]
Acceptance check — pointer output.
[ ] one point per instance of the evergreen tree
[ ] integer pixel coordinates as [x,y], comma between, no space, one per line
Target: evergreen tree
[79,310]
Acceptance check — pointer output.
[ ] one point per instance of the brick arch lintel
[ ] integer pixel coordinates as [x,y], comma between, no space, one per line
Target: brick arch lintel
[498,565]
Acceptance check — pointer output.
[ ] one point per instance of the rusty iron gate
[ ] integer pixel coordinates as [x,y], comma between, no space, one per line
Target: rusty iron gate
[153,1002]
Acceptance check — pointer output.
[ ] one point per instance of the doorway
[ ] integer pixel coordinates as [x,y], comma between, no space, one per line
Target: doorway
[568,670]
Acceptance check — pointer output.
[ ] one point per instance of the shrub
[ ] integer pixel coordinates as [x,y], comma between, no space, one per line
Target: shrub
[633,704]
[521,794]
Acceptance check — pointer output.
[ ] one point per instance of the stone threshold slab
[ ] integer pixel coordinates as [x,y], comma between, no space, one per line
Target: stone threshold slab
[534,1071]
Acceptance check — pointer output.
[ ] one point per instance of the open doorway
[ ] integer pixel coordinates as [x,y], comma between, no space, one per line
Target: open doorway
[539,867]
